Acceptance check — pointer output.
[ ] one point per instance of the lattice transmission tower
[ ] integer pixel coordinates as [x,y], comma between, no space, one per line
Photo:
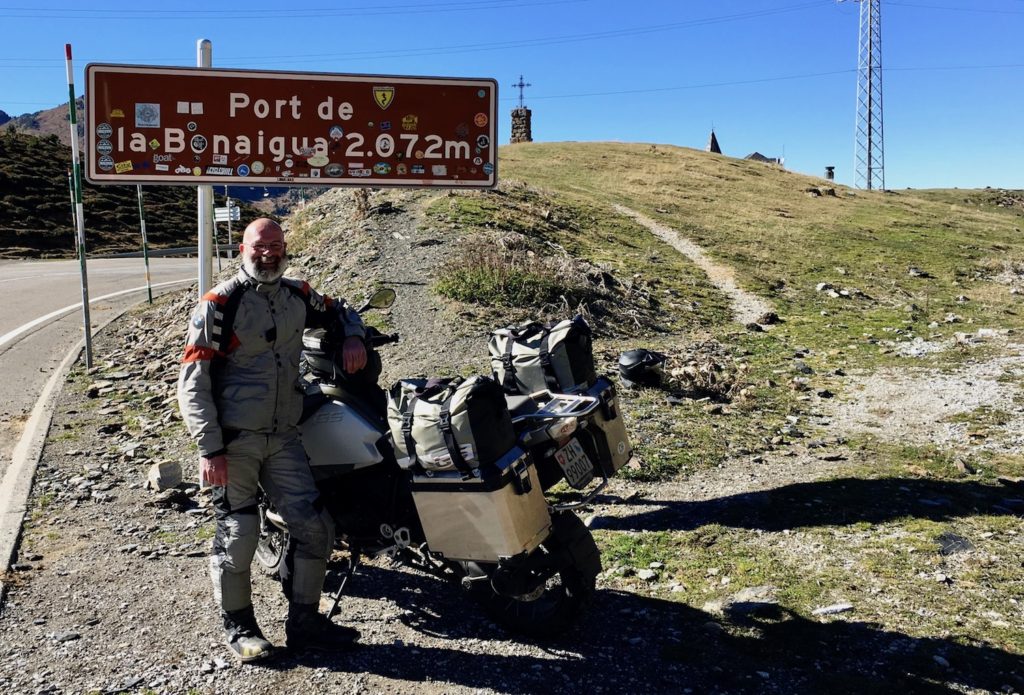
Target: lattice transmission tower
[869,150]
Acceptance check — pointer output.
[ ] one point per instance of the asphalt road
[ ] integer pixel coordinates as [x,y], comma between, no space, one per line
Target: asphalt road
[32,290]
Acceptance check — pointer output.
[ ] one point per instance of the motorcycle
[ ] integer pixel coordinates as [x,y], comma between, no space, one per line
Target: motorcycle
[381,509]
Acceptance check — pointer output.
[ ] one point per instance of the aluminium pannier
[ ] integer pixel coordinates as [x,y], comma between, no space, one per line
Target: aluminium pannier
[556,356]
[499,514]
[603,433]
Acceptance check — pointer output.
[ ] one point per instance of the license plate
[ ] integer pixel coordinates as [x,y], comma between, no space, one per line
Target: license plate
[575,464]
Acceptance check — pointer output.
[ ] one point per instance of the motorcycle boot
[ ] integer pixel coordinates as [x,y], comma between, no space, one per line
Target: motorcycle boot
[308,628]
[244,637]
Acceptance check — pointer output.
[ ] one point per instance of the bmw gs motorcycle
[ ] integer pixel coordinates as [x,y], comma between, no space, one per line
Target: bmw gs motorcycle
[529,562]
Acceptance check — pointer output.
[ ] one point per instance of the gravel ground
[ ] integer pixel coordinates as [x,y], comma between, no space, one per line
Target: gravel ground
[110,593]
[922,405]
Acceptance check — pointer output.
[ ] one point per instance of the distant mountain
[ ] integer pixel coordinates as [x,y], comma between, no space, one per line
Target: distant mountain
[51,122]
[55,122]
[35,204]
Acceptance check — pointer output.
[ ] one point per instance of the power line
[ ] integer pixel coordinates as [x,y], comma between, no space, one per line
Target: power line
[976,10]
[264,59]
[701,85]
[712,85]
[938,68]
[125,14]
[548,41]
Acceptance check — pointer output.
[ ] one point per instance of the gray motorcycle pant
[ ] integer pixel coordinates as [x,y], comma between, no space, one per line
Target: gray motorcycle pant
[277,462]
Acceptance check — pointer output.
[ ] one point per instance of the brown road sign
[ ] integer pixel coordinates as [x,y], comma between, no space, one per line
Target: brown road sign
[191,126]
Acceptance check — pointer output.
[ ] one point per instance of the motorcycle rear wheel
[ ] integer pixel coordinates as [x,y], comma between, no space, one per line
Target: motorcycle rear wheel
[556,605]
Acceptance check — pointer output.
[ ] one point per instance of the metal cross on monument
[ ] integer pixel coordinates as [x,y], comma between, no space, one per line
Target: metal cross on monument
[521,84]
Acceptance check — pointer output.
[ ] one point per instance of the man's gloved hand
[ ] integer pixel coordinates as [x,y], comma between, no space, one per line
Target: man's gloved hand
[214,470]
[353,353]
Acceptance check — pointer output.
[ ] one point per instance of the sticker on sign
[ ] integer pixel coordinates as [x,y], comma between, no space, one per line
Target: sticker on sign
[273,127]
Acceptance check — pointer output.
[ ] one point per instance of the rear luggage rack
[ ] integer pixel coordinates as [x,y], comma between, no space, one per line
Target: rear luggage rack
[560,405]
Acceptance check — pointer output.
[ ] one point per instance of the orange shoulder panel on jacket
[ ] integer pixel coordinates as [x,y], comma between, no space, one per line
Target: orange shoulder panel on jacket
[196,353]
[215,298]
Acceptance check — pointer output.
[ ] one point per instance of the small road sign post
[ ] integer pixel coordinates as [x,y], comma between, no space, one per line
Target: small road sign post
[145,244]
[76,169]
[227,200]
[231,214]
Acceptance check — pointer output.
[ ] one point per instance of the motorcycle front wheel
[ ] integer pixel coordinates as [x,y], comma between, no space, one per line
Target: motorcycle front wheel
[555,605]
[270,546]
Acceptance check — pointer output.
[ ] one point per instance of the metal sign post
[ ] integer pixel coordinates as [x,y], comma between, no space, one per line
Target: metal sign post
[204,194]
[76,169]
[145,245]
[225,215]
[227,204]
[216,239]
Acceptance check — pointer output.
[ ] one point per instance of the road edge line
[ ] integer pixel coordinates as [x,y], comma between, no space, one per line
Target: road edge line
[20,475]
[60,313]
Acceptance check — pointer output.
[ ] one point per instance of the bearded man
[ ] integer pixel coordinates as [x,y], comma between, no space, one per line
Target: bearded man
[237,393]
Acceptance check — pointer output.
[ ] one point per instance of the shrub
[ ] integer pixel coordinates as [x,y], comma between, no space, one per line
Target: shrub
[488,269]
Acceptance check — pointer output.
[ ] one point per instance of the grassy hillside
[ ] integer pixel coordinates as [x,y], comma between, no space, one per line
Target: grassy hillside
[35,207]
[786,233]
[899,267]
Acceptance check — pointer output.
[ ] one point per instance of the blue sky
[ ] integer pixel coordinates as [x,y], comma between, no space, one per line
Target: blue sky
[775,76]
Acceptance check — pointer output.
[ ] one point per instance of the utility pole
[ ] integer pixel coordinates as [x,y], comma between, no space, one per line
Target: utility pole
[869,150]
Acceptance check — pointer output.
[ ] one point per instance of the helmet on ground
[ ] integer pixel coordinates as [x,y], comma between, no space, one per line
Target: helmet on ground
[641,367]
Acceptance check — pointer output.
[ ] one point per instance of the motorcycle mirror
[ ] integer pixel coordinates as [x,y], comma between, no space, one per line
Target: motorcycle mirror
[381,299]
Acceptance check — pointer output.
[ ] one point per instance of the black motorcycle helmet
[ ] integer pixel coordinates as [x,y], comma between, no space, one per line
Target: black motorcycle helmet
[641,367]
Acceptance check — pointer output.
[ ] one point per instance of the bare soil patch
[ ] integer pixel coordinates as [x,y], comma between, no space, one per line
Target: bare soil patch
[932,406]
[747,307]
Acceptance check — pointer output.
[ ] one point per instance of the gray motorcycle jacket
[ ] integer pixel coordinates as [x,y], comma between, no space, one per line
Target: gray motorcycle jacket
[241,360]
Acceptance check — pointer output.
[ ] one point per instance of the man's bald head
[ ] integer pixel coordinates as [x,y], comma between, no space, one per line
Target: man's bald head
[263,250]
[262,230]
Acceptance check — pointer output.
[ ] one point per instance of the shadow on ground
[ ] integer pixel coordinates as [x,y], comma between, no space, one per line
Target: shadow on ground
[628,643]
[823,503]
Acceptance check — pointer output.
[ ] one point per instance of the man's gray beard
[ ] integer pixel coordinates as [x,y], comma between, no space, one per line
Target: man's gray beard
[264,275]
